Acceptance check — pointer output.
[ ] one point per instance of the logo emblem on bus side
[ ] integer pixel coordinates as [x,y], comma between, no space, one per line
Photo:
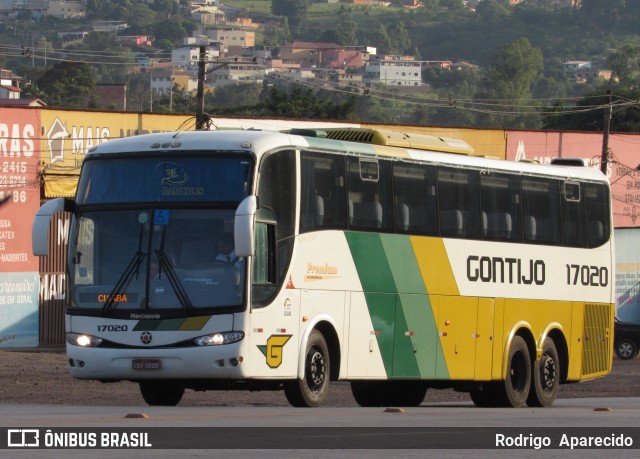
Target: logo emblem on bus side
[146,337]
[273,350]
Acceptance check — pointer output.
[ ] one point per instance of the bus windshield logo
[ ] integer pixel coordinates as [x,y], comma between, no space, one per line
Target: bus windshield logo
[174,180]
[174,174]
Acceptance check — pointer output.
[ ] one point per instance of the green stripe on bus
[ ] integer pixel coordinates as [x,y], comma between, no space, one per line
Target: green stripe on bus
[399,307]
[148,325]
[371,262]
[402,264]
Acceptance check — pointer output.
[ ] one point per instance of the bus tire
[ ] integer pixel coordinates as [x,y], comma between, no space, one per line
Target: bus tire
[388,393]
[161,393]
[312,390]
[366,393]
[514,390]
[404,393]
[545,379]
[483,397]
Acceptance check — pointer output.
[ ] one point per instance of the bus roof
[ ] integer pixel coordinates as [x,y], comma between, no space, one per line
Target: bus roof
[431,149]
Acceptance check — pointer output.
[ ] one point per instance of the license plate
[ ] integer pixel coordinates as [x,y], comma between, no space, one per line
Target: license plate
[146,364]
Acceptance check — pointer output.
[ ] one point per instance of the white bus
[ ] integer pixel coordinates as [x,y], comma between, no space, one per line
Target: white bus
[266,260]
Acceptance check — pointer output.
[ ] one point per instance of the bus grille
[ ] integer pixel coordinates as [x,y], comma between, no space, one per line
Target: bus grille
[351,135]
[596,337]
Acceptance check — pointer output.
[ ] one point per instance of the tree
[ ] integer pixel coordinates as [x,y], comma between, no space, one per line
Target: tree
[169,30]
[383,40]
[625,65]
[67,84]
[401,42]
[588,114]
[511,78]
[279,34]
[347,27]
[295,10]
[301,102]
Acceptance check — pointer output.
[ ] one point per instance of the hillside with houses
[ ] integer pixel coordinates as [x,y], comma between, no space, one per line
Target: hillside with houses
[382,51]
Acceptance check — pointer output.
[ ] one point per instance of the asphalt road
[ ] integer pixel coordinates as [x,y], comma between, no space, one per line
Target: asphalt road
[457,429]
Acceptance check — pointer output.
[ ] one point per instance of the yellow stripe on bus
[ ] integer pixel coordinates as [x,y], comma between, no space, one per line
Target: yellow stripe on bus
[435,266]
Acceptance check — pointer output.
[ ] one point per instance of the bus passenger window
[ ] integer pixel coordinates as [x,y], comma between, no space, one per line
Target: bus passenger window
[573,225]
[541,211]
[500,207]
[459,203]
[596,198]
[322,197]
[369,194]
[416,206]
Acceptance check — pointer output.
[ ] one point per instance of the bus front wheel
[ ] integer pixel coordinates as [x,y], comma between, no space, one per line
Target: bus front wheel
[546,376]
[313,388]
[514,390]
[161,393]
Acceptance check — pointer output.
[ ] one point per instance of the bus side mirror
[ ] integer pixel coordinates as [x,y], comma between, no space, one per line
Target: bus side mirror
[244,227]
[40,228]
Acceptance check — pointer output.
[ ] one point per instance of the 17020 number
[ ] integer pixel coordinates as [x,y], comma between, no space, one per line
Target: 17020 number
[113,328]
[591,276]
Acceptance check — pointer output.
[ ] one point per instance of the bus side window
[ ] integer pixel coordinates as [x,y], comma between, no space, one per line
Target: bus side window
[573,216]
[500,207]
[541,211]
[369,194]
[322,195]
[596,199]
[277,197]
[264,284]
[416,206]
[459,202]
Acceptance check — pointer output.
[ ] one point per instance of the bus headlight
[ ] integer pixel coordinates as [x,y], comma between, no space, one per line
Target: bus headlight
[80,339]
[217,339]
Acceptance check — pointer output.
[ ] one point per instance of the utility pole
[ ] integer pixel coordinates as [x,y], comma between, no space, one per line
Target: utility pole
[604,158]
[200,121]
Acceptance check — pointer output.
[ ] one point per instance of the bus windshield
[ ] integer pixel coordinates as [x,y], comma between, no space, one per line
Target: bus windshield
[189,178]
[154,259]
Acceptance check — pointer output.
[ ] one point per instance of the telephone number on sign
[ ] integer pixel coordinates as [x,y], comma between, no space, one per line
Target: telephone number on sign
[17,167]
[14,196]
[13,180]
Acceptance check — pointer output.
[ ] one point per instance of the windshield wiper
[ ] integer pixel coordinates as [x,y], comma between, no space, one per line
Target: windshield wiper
[123,282]
[176,285]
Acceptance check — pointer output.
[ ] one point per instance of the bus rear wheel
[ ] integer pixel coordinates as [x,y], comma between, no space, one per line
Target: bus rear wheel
[514,390]
[312,390]
[545,380]
[388,393]
[161,393]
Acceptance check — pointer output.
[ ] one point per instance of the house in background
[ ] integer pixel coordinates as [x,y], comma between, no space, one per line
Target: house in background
[109,96]
[9,85]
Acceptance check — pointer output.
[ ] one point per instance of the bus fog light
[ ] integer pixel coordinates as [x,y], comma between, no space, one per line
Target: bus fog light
[218,339]
[80,339]
[233,362]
